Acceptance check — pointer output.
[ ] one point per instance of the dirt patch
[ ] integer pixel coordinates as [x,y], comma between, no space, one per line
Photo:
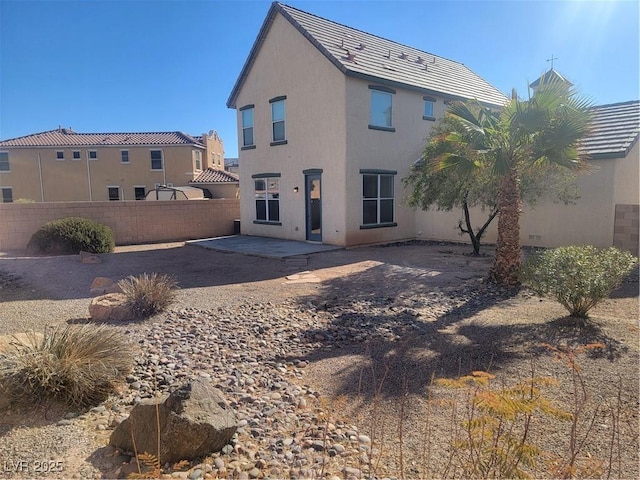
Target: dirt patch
[432,317]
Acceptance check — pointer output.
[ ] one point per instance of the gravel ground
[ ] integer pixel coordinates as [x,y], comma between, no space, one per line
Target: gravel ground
[330,372]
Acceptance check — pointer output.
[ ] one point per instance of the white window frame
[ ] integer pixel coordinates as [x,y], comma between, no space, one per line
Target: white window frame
[60,155]
[379,198]
[2,189]
[269,194]
[89,152]
[109,187]
[197,157]
[248,126]
[73,153]
[431,103]
[275,102]
[3,162]
[151,150]
[122,155]
[377,92]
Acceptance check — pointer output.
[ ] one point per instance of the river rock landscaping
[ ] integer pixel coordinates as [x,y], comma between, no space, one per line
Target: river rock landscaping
[331,380]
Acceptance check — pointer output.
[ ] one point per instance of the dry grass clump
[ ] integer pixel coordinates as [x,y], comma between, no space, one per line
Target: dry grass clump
[77,364]
[148,294]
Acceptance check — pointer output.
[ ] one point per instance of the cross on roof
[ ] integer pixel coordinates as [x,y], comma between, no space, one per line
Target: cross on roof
[551,60]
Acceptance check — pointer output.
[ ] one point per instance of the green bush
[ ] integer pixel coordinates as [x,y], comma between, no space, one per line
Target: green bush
[71,235]
[78,365]
[578,277]
[148,294]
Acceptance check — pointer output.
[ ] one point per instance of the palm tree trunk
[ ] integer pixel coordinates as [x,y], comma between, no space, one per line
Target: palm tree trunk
[506,263]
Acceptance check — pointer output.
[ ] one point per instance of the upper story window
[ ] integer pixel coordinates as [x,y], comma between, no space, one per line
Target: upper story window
[278,120]
[156,159]
[198,159]
[4,162]
[429,104]
[124,156]
[267,197]
[59,155]
[7,195]
[377,198]
[381,114]
[247,126]
[75,155]
[93,155]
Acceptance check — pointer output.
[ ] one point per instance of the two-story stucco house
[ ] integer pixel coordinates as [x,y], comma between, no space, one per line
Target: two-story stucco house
[63,165]
[330,119]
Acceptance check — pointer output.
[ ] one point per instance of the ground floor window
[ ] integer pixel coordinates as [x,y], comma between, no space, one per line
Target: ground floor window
[7,195]
[114,193]
[267,198]
[378,201]
[140,193]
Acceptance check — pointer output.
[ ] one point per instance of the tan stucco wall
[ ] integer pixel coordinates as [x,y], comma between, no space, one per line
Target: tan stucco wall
[132,222]
[288,64]
[68,179]
[547,224]
[375,149]
[214,155]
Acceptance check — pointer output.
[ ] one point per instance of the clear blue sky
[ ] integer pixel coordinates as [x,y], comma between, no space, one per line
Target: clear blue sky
[120,66]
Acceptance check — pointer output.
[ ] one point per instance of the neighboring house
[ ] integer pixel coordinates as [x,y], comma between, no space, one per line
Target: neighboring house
[63,165]
[231,165]
[330,118]
[217,183]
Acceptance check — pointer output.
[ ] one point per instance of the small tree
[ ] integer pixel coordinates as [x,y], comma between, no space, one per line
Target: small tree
[579,277]
[429,185]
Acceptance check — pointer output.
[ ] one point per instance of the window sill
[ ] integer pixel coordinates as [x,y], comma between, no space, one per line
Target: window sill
[382,129]
[431,119]
[265,222]
[279,142]
[378,225]
[156,170]
[5,171]
[248,147]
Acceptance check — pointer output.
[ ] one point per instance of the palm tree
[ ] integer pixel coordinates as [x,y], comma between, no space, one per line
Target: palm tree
[526,134]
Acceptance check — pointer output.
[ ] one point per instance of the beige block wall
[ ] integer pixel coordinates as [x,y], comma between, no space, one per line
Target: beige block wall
[131,221]
[315,131]
[625,231]
[36,174]
[548,224]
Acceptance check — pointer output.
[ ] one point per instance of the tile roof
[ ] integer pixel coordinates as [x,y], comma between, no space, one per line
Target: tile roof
[616,128]
[213,175]
[363,55]
[63,137]
[550,76]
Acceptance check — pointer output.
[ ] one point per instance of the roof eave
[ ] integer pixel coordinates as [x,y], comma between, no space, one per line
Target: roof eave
[415,88]
[262,35]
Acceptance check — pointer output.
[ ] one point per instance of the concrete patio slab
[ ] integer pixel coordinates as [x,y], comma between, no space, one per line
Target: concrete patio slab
[262,246]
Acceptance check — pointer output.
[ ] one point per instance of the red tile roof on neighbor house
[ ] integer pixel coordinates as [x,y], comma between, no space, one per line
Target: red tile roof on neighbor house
[65,137]
[213,175]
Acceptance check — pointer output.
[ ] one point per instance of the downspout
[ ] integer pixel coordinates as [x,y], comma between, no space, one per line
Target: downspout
[41,181]
[89,178]
[164,170]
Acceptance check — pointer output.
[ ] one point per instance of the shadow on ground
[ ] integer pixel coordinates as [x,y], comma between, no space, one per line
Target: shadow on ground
[393,344]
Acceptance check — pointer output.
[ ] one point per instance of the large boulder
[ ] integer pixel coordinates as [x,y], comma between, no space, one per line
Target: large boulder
[112,307]
[194,420]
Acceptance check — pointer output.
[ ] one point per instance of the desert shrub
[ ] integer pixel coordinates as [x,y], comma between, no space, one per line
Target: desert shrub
[579,277]
[71,235]
[495,439]
[78,365]
[148,294]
